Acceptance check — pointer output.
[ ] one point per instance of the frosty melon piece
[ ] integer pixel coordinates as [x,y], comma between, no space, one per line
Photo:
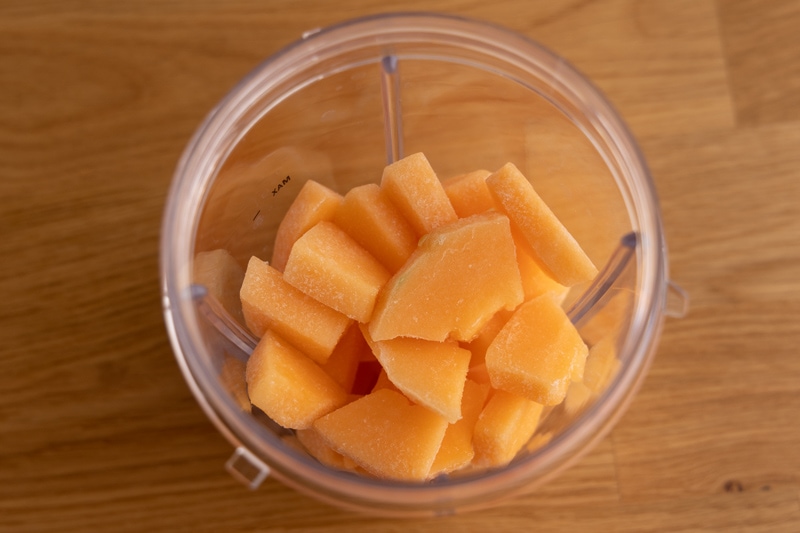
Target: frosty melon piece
[578,366]
[535,280]
[268,302]
[319,449]
[468,193]
[376,224]
[343,361]
[288,386]
[479,374]
[222,277]
[313,203]
[328,265]
[384,382]
[412,186]
[577,396]
[429,373]
[600,363]
[457,279]
[533,355]
[506,423]
[456,450]
[386,435]
[538,440]
[554,247]
[486,335]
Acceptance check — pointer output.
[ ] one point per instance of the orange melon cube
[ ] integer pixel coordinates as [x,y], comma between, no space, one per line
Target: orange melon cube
[600,363]
[268,302]
[288,386]
[343,361]
[577,396]
[578,365]
[506,423]
[384,382]
[554,247]
[412,186]
[538,440]
[457,279]
[431,374]
[535,280]
[232,378]
[319,449]
[386,435]
[533,355]
[313,203]
[468,193]
[222,277]
[377,225]
[486,335]
[456,450]
[328,265]
[479,374]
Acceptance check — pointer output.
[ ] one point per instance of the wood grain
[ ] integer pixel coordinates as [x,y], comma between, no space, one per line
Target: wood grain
[761,53]
[98,430]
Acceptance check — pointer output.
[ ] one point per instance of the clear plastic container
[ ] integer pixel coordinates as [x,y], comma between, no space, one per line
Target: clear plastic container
[337,106]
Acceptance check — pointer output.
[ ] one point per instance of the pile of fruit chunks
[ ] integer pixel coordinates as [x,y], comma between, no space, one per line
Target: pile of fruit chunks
[414,328]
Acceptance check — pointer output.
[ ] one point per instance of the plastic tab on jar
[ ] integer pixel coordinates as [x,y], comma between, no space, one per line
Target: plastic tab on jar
[677,303]
[247,468]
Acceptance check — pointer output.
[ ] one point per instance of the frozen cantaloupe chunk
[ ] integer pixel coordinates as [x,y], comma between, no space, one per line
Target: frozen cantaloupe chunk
[456,450]
[412,186]
[268,302]
[222,277]
[384,382]
[429,373]
[533,355]
[377,225]
[600,363]
[313,203]
[538,440]
[577,396]
[554,247]
[578,365]
[468,193]
[486,335]
[535,280]
[479,374]
[386,435]
[506,423]
[319,449]
[328,265]
[457,279]
[343,361]
[288,386]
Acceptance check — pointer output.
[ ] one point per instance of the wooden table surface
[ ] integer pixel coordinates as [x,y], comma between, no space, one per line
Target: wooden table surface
[98,430]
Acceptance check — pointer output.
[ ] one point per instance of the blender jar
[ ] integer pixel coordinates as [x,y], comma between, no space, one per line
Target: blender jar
[336,107]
